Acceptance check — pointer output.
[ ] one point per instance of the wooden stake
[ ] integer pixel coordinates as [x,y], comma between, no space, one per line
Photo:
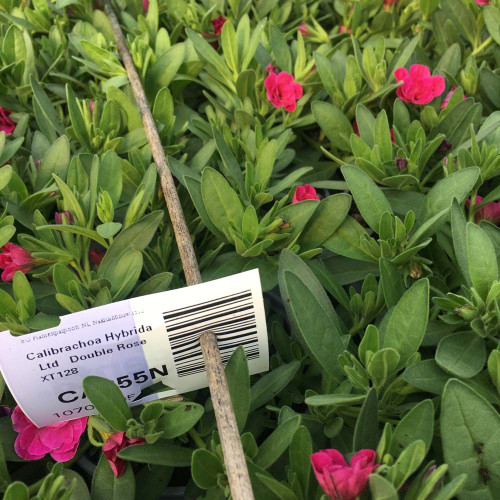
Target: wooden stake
[234,458]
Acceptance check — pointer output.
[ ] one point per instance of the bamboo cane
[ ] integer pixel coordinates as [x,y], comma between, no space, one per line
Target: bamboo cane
[234,458]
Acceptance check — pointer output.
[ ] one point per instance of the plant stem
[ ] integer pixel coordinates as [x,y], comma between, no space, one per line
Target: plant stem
[485,44]
[197,439]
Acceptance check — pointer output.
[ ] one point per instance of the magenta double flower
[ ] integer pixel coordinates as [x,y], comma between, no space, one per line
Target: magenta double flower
[282,90]
[59,440]
[419,87]
[339,480]
[15,258]
[305,192]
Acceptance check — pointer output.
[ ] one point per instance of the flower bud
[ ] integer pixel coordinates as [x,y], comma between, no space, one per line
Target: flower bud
[61,220]
[401,162]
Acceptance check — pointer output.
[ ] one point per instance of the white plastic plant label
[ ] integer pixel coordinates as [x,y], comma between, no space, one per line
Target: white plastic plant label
[147,345]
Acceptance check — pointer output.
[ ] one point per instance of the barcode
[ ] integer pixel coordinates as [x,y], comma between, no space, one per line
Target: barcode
[231,318]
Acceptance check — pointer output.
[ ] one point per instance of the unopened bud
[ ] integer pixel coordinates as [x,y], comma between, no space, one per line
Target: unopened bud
[401,162]
[415,271]
[60,219]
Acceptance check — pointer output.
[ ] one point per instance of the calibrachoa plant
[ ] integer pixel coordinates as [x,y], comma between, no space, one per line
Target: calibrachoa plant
[350,151]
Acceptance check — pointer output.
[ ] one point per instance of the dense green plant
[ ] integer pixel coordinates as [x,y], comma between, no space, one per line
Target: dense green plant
[382,286]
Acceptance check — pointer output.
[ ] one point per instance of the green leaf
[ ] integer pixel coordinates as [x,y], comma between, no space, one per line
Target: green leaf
[108,401]
[426,376]
[205,469]
[210,56]
[461,17]
[334,124]
[108,229]
[137,236]
[250,224]
[347,239]
[428,228]
[271,384]
[221,202]
[470,433]
[461,354]
[238,380]
[382,365]
[406,327]
[492,20]
[418,423]
[366,432]
[369,198]
[105,486]
[23,293]
[165,68]
[159,453]
[326,219]
[128,105]
[381,489]
[300,452]
[68,228]
[180,420]
[310,312]
[45,113]
[335,399]
[16,491]
[383,136]
[391,281]
[157,283]
[229,46]
[481,258]
[402,55]
[265,163]
[70,202]
[407,462]
[110,176]
[279,489]
[277,443]
[77,120]
[55,161]
[5,176]
[280,49]
[252,46]
[457,185]
[6,233]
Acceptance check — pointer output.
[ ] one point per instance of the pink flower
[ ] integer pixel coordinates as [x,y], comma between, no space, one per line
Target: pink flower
[59,219]
[305,192]
[115,443]
[14,258]
[339,480]
[96,256]
[217,24]
[283,90]
[303,29]
[60,440]
[490,212]
[389,3]
[145,6]
[446,100]
[343,29]
[6,124]
[271,69]
[419,87]
[91,107]
[483,2]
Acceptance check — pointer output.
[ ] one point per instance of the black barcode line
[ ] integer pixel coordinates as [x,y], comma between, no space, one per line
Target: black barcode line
[210,326]
[208,304]
[231,318]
